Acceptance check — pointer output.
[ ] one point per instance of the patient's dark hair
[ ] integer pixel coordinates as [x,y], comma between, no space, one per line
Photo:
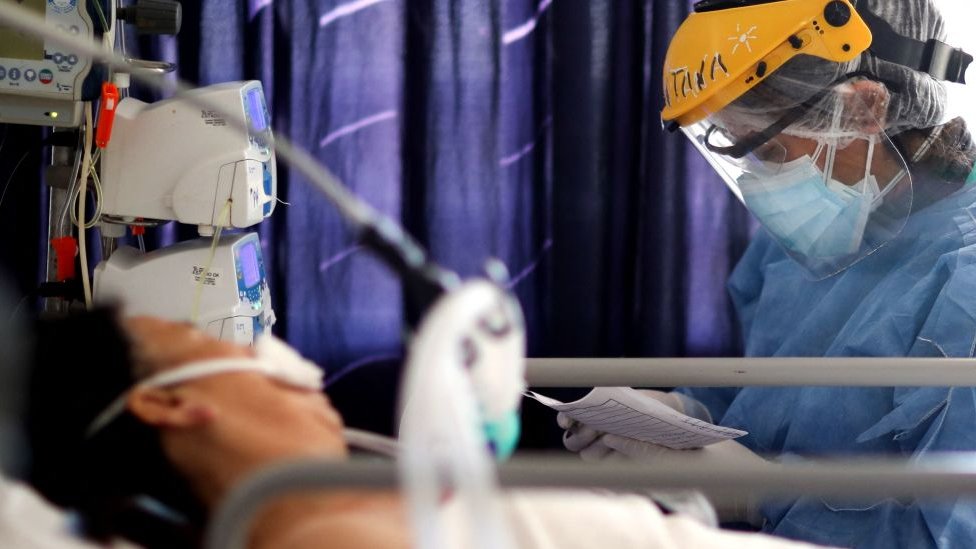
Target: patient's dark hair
[119,479]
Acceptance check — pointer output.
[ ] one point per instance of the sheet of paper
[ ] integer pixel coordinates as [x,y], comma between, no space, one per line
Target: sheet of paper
[626,412]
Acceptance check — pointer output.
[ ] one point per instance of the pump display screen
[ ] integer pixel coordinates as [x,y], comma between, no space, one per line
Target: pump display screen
[249,264]
[255,109]
[15,44]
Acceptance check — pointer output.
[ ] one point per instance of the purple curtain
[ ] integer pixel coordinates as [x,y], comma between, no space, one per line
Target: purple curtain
[525,130]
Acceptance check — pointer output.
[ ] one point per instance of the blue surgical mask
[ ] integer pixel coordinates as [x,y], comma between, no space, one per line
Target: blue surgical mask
[812,215]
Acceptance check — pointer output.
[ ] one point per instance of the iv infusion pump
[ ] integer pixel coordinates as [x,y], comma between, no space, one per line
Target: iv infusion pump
[45,84]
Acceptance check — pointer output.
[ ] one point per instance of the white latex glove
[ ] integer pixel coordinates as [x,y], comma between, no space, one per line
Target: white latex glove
[588,443]
[583,440]
[715,456]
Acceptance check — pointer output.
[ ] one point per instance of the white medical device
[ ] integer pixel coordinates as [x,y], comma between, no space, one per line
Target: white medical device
[230,300]
[465,374]
[172,160]
[175,161]
[42,83]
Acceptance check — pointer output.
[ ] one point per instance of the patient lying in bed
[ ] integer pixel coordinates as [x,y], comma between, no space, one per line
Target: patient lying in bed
[188,442]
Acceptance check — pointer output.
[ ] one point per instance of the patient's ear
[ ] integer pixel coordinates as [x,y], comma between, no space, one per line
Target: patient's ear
[166,408]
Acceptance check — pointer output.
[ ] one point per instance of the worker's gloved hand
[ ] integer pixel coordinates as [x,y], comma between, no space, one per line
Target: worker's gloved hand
[581,439]
[721,455]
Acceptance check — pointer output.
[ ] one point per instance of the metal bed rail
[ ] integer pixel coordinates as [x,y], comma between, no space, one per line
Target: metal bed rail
[857,479]
[751,372]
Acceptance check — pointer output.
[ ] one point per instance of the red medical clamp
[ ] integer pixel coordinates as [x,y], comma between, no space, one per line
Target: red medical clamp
[106,114]
[65,249]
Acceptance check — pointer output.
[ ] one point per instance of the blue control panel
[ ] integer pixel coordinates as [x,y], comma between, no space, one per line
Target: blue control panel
[258,117]
[31,66]
[251,280]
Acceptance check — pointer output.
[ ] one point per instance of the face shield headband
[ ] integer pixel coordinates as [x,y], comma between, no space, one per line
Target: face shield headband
[755,140]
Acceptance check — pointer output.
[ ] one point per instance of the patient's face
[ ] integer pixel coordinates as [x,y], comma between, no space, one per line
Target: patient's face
[242,416]
[268,419]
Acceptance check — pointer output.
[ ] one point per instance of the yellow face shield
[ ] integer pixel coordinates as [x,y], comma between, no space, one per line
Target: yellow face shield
[721,52]
[779,98]
[829,197]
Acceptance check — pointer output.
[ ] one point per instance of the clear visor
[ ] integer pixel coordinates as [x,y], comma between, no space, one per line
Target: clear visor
[273,359]
[830,195]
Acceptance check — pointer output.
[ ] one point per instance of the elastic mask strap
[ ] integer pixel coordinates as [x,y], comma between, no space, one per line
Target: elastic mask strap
[832,141]
[870,160]
[163,379]
[815,157]
[821,145]
[108,415]
[206,368]
[829,163]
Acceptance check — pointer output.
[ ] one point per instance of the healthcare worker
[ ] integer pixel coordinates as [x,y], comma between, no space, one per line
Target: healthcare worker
[833,123]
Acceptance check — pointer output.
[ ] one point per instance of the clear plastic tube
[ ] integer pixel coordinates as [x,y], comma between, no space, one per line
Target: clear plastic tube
[63,228]
[222,219]
[83,190]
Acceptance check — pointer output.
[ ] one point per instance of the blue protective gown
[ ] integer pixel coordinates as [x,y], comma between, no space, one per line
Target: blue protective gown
[915,297]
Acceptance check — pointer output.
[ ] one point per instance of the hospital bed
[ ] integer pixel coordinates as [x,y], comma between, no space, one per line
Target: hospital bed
[858,478]
[751,372]
[944,477]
